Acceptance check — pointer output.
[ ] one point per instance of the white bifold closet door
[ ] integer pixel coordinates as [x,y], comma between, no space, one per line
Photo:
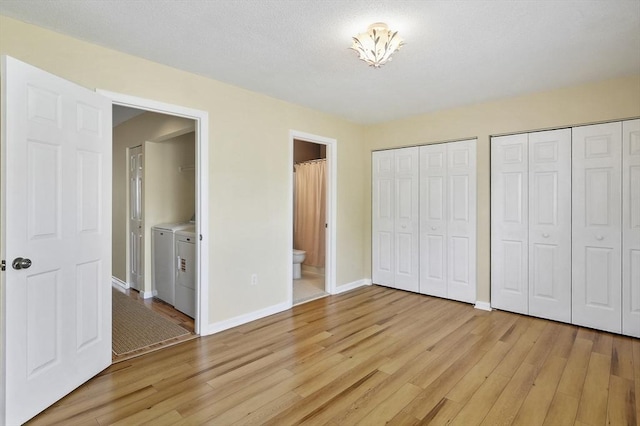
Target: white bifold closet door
[597,215]
[510,223]
[395,218]
[531,224]
[448,220]
[631,228]
[550,224]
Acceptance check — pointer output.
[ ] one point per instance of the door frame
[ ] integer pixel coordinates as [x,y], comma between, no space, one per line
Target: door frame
[331,195]
[201,119]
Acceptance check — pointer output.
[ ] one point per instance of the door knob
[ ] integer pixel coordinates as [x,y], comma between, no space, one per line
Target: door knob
[545,235]
[20,263]
[599,238]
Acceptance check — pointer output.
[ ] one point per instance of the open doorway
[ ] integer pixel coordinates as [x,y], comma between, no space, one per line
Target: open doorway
[176,193]
[312,224]
[309,220]
[153,210]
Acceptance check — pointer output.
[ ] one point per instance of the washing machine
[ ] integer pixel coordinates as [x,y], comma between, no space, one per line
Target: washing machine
[163,255]
[185,294]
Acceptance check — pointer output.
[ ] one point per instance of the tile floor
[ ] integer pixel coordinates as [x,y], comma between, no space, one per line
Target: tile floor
[309,287]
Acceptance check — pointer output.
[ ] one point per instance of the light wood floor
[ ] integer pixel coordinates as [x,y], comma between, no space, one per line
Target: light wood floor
[371,356]
[167,311]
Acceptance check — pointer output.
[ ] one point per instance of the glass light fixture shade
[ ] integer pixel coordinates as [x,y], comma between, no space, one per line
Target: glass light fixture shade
[377,44]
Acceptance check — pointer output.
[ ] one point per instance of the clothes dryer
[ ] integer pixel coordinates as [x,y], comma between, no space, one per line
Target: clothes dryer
[163,255]
[185,293]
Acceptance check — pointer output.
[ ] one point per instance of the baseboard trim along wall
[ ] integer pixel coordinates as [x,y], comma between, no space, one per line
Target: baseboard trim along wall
[148,294]
[352,285]
[119,282]
[217,327]
[485,306]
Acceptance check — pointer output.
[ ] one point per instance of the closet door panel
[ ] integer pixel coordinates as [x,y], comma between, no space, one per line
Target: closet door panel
[433,225]
[461,220]
[631,228]
[509,223]
[550,224]
[406,219]
[383,206]
[596,233]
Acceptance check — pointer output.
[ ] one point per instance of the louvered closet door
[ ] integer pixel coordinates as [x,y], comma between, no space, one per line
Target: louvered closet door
[631,228]
[433,221]
[406,219]
[383,211]
[550,224]
[596,234]
[509,223]
[461,220]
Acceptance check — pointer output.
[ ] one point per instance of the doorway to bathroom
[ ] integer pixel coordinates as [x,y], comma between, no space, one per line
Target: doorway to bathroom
[312,217]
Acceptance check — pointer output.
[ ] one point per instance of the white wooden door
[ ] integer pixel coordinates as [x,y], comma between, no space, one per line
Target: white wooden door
[433,220]
[550,224]
[382,221]
[461,220]
[406,219]
[136,230]
[631,228]
[596,232]
[509,223]
[56,205]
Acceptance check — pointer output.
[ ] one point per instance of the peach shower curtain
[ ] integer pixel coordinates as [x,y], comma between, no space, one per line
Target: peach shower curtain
[309,211]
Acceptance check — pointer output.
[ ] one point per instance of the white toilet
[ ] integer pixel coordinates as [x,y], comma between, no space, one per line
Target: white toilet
[298,258]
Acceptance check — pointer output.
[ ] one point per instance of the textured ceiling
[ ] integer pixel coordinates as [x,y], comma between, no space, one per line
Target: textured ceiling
[456,52]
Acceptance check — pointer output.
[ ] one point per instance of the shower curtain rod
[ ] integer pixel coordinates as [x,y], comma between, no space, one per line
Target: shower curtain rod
[313,161]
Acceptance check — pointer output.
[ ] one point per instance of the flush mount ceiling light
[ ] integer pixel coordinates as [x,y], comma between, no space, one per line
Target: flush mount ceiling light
[377,44]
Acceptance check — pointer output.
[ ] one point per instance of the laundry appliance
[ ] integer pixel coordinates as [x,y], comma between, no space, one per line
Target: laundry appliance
[164,259]
[185,287]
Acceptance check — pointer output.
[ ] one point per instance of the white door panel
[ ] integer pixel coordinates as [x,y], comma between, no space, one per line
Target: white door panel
[433,220]
[383,244]
[509,223]
[57,313]
[136,228]
[550,224]
[631,228]
[461,220]
[406,219]
[596,233]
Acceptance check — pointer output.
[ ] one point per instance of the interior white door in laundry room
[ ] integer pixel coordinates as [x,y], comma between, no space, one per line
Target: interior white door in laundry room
[56,236]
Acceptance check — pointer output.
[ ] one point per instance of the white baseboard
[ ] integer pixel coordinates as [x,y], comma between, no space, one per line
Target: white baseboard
[219,326]
[147,294]
[119,283]
[484,306]
[352,285]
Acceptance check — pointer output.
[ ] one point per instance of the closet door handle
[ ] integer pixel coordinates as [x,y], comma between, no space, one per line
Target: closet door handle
[545,235]
[433,228]
[599,237]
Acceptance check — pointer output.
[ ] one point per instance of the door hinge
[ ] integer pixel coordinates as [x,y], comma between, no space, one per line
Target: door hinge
[3,265]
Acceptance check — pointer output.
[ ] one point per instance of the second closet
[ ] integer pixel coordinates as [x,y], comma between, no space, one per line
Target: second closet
[424,219]
[565,225]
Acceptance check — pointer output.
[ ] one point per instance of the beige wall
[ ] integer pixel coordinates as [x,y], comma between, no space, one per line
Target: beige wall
[249,163]
[135,132]
[608,100]
[170,194]
[249,158]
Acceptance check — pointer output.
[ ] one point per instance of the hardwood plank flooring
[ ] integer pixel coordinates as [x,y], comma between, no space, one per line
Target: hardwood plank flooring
[372,356]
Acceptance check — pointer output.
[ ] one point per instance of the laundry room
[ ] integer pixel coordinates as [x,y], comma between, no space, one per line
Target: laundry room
[154,253]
